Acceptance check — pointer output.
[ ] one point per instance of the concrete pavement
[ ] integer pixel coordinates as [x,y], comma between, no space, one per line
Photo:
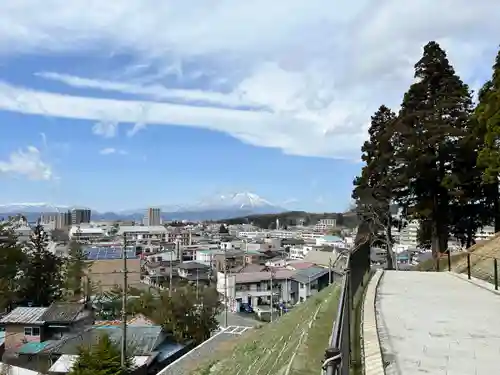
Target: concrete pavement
[436,323]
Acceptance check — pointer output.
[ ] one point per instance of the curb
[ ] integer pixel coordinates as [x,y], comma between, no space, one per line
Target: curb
[371,353]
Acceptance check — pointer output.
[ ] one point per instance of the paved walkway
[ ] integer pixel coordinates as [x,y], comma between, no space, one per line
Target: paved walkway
[436,323]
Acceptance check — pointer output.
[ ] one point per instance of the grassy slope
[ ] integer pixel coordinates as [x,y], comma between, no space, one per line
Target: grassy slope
[481,259]
[295,344]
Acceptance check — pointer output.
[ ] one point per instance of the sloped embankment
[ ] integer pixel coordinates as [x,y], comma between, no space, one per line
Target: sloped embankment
[482,257]
[295,344]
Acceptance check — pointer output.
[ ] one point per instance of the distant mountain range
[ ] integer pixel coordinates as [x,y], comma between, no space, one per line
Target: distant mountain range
[216,208]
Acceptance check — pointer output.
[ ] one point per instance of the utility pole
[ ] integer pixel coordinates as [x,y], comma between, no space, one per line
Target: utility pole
[170,275]
[225,285]
[330,271]
[124,303]
[197,281]
[272,295]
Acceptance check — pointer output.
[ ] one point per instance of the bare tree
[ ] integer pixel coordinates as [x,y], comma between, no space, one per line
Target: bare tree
[375,210]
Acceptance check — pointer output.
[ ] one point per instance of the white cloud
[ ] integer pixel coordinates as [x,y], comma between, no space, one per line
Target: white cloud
[106,129]
[27,163]
[111,150]
[311,73]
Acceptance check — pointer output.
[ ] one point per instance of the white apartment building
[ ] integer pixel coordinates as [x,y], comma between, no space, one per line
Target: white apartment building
[324,224]
[282,234]
[88,234]
[153,217]
[408,234]
[298,252]
[150,238]
[252,235]
[254,288]
[310,236]
[485,233]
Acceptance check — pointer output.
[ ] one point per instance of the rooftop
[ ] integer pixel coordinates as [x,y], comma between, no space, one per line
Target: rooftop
[24,315]
[309,274]
[250,277]
[108,252]
[141,229]
[333,238]
[191,265]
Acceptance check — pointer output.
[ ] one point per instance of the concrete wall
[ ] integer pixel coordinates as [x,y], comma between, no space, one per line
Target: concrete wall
[108,272]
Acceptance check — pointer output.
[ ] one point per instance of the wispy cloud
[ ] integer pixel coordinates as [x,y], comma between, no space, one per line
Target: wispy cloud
[106,129]
[111,150]
[298,75]
[28,163]
[289,202]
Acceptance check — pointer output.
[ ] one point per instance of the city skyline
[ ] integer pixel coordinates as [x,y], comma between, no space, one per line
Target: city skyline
[199,101]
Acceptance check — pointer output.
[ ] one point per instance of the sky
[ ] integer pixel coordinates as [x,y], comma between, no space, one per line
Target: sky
[127,104]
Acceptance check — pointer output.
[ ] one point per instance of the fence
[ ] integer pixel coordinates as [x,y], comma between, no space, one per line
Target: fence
[475,265]
[338,357]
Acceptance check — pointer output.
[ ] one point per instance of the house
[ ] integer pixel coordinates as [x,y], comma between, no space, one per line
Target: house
[149,347]
[322,258]
[255,288]
[170,255]
[156,273]
[31,326]
[296,265]
[334,241]
[308,282]
[208,255]
[194,271]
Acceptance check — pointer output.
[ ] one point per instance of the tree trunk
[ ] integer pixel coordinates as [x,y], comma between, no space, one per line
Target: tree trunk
[496,207]
[388,241]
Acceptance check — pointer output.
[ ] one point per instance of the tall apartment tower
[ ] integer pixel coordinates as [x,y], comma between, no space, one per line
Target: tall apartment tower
[153,216]
[80,215]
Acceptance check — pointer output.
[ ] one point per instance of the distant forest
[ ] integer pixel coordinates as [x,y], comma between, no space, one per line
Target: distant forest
[291,218]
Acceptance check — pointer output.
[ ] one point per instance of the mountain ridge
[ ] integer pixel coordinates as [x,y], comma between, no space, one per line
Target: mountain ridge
[223,206]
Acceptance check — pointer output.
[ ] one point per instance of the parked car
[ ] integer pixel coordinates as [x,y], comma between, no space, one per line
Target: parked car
[245,307]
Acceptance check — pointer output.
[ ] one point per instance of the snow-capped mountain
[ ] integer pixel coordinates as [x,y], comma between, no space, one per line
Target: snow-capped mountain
[241,201]
[16,208]
[223,206]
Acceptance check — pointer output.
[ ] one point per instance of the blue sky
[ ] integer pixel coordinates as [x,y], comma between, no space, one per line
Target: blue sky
[209,97]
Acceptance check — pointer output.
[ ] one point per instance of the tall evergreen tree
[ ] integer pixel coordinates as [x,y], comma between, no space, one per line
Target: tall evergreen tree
[487,114]
[432,123]
[374,189]
[11,260]
[76,266]
[42,281]
[187,317]
[102,358]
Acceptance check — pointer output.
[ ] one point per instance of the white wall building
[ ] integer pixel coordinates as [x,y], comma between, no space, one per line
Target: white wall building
[333,241]
[324,224]
[254,288]
[86,234]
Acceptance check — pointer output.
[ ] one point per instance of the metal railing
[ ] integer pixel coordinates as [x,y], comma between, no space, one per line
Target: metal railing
[479,266]
[338,357]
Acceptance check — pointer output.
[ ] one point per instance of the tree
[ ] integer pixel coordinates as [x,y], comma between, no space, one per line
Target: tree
[11,260]
[76,268]
[102,358]
[223,229]
[188,317]
[487,115]
[42,281]
[374,189]
[431,126]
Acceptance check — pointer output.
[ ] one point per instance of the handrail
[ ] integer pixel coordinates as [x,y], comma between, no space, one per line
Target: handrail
[338,355]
